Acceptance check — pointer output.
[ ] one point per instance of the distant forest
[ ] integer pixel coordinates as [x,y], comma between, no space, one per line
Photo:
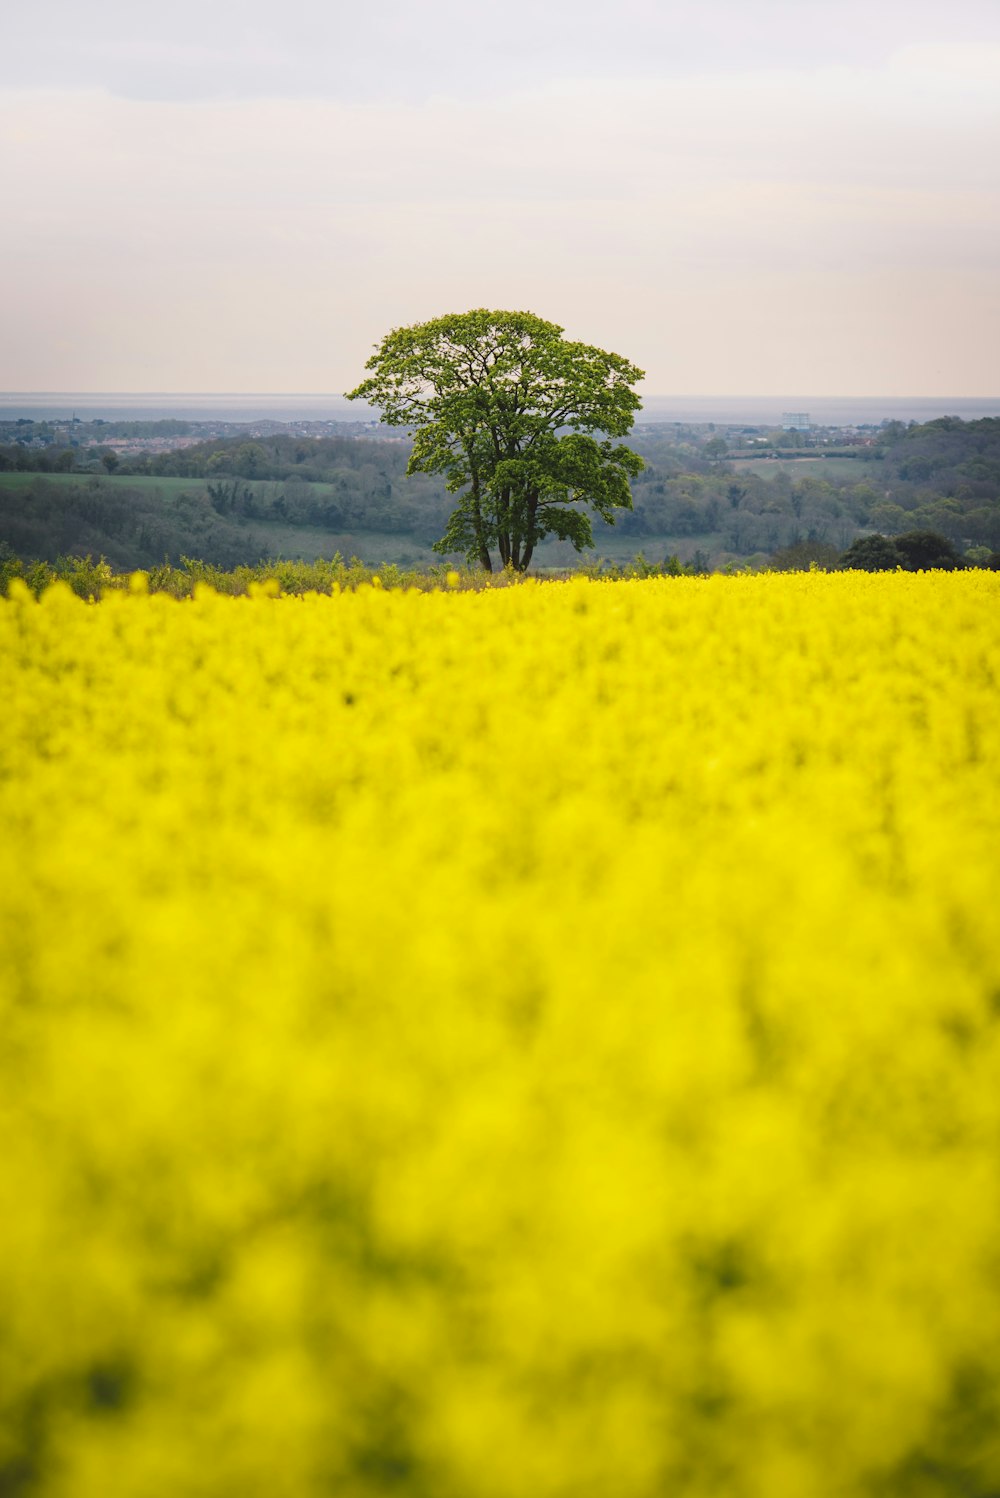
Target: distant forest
[710,495]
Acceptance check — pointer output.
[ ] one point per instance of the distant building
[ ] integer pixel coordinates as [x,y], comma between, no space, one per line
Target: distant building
[796,421]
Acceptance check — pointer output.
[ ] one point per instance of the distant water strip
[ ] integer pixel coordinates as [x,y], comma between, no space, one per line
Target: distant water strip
[725,410]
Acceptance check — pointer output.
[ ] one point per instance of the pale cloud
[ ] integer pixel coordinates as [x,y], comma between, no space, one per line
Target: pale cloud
[391,49]
[821,226]
[949,60]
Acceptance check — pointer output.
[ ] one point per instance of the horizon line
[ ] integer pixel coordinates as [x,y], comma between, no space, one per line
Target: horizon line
[336,395]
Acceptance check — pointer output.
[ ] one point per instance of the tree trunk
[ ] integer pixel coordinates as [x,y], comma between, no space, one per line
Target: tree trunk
[505,527]
[477,526]
[476,523]
[531,534]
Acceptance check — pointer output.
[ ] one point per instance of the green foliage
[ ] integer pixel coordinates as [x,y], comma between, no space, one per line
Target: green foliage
[132,527]
[916,551]
[518,420]
[91,579]
[135,522]
[872,554]
[923,550]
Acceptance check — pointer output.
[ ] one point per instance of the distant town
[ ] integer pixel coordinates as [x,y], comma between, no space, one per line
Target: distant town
[170,434]
[796,433]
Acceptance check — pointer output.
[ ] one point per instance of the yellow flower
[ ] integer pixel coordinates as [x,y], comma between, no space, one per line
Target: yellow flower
[539,1040]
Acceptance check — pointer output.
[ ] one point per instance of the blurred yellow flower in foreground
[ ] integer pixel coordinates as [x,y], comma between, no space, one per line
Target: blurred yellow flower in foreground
[539,1042]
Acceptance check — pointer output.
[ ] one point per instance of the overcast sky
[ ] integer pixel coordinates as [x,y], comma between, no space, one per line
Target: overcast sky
[787,197]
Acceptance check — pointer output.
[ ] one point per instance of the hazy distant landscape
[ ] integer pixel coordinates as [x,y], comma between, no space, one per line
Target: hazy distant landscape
[712,494]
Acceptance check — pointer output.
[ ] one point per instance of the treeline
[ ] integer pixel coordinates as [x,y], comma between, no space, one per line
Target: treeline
[368,497]
[43,520]
[312,459]
[942,476]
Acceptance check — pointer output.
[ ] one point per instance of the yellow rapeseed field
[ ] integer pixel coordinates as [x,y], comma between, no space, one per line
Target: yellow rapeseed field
[540,1043]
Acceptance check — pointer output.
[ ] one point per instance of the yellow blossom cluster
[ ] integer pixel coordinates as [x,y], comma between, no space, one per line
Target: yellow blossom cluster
[541,1043]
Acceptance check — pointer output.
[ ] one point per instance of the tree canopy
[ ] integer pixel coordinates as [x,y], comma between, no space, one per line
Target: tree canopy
[519,420]
[915,551]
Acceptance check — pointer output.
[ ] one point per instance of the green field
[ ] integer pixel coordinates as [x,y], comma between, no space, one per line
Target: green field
[145,483]
[166,486]
[308,543]
[858,469]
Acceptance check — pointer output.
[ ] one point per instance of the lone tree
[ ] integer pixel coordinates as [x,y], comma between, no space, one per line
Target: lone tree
[519,420]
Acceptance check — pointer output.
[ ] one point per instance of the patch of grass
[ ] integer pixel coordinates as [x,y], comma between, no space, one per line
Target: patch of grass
[857,469]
